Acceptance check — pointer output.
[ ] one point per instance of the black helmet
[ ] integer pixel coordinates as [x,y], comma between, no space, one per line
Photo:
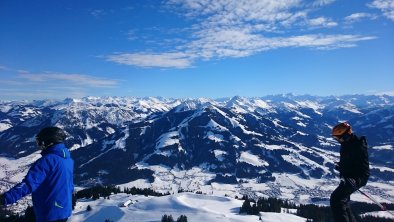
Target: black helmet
[50,135]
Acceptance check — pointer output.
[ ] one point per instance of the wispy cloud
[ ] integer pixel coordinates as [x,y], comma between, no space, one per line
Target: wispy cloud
[322,22]
[31,94]
[239,28]
[98,13]
[325,42]
[4,68]
[75,79]
[235,44]
[322,2]
[237,13]
[386,6]
[22,84]
[356,17]
[240,43]
[163,60]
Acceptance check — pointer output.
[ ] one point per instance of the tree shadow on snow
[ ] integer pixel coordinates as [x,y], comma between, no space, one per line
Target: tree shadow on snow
[235,210]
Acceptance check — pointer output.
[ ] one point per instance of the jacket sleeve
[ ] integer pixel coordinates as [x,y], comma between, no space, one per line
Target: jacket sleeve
[363,159]
[35,176]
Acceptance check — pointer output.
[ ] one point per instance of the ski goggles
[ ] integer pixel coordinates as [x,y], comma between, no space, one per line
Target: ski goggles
[338,138]
[342,138]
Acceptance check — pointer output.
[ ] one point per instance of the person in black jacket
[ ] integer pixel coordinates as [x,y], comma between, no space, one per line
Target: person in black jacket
[353,168]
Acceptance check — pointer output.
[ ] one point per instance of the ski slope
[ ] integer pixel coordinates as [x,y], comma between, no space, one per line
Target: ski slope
[196,207]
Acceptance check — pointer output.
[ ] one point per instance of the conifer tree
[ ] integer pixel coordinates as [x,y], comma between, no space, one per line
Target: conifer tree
[182,218]
[88,208]
[246,207]
[29,215]
[167,218]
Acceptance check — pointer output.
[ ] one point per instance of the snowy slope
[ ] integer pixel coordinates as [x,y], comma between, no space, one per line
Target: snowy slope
[196,207]
[381,214]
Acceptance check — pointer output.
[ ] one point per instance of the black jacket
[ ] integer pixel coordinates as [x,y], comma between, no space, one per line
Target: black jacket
[354,161]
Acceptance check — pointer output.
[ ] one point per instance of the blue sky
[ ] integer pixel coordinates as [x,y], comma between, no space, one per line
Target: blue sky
[195,48]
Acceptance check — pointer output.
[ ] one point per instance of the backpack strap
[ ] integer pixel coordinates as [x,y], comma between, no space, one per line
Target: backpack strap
[363,140]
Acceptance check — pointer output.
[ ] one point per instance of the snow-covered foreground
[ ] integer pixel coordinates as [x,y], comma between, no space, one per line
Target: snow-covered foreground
[196,207]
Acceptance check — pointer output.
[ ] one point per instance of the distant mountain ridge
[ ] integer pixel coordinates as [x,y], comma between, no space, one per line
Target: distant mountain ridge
[236,141]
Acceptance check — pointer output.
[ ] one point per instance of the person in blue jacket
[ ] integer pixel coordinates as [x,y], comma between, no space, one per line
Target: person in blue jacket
[49,179]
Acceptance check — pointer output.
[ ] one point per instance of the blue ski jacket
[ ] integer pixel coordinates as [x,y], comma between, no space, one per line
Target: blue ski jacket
[50,180]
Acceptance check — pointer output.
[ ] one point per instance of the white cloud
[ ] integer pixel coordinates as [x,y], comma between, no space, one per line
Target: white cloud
[232,12]
[4,68]
[324,42]
[22,84]
[386,6]
[163,60]
[42,93]
[240,43]
[322,22]
[75,79]
[220,43]
[239,28]
[322,2]
[355,17]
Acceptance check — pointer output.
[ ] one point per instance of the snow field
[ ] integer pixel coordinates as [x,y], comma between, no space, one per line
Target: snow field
[196,207]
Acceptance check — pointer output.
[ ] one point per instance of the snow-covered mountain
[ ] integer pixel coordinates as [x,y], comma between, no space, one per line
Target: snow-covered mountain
[273,146]
[85,120]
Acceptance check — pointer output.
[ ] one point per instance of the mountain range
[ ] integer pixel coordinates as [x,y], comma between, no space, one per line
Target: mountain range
[276,145]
